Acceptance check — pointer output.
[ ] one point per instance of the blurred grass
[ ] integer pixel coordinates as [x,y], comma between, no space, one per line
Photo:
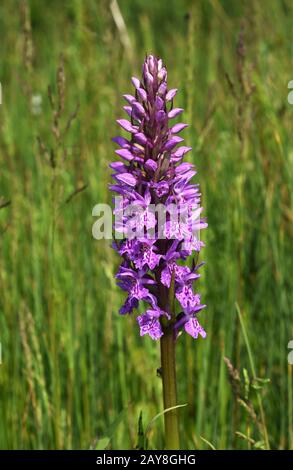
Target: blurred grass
[73,372]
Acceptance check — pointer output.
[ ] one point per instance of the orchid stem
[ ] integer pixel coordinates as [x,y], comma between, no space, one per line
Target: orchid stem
[168,365]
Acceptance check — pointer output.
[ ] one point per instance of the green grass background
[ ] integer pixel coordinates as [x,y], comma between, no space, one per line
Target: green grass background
[75,374]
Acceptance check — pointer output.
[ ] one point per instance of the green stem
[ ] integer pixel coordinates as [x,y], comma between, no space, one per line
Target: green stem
[169,388]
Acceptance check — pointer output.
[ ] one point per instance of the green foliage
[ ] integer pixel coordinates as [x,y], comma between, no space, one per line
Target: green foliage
[71,366]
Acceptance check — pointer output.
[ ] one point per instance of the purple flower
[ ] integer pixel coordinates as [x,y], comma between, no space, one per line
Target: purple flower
[152,173]
[193,328]
[134,282]
[149,323]
[186,297]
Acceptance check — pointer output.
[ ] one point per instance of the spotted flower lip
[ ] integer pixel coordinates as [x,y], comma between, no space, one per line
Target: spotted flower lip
[149,324]
[152,171]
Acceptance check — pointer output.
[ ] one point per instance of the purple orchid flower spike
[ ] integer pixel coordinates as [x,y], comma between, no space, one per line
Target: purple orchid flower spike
[152,175]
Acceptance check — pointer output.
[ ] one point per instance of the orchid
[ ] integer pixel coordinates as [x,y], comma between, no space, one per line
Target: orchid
[153,173]
[155,250]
